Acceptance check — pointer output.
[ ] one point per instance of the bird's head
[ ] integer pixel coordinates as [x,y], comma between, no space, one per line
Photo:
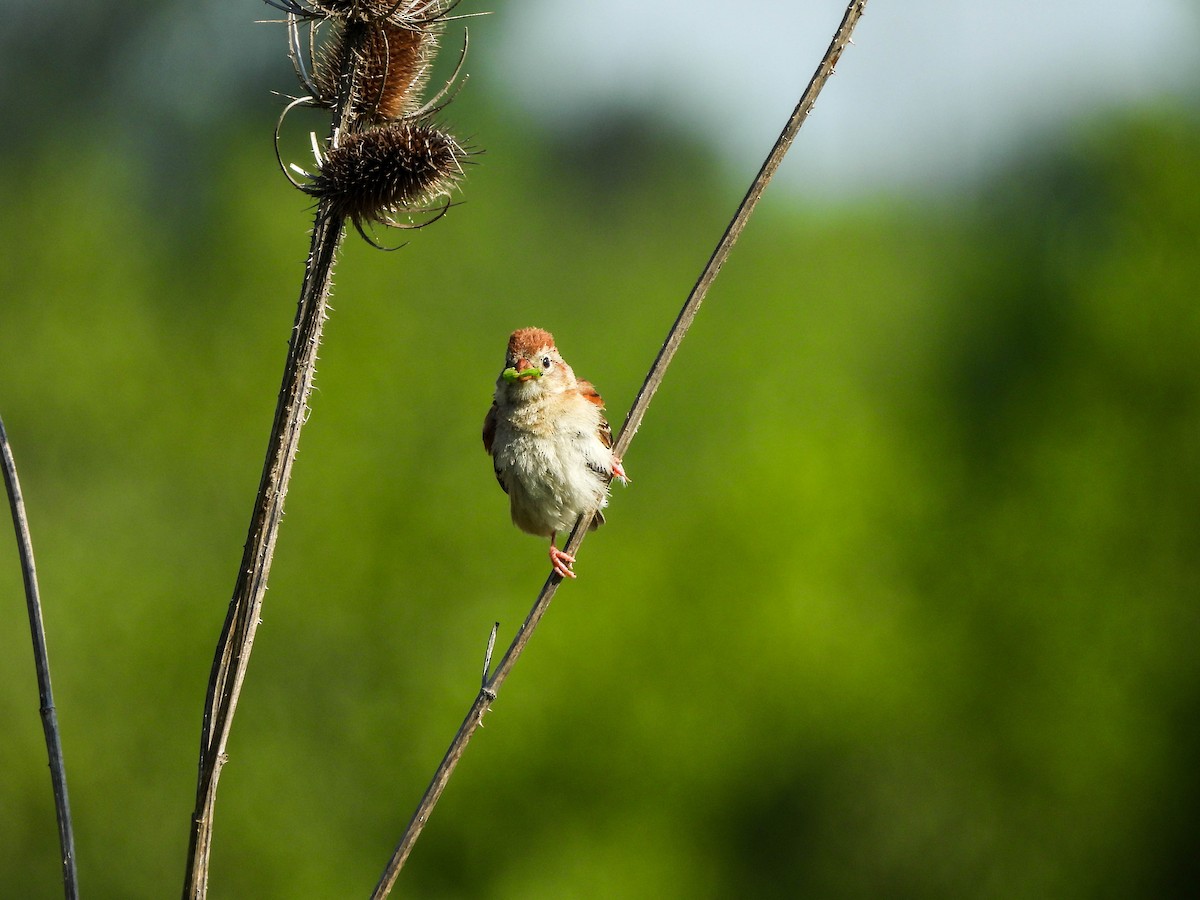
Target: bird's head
[533,367]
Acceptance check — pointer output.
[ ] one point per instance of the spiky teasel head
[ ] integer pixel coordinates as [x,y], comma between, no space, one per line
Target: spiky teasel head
[393,63]
[395,170]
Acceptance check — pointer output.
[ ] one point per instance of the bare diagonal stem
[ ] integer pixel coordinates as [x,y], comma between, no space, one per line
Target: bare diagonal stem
[633,421]
[691,306]
[41,661]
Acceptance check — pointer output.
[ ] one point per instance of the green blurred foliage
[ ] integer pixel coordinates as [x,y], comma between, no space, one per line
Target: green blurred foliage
[902,601]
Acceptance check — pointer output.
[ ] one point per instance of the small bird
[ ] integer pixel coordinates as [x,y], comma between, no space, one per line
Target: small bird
[549,442]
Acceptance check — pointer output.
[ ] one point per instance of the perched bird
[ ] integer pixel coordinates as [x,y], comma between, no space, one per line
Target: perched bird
[550,444]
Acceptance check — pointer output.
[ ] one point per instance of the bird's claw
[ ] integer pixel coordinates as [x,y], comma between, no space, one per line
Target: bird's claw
[561,562]
[619,471]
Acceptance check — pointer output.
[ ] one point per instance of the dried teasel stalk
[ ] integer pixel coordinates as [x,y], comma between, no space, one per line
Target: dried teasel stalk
[371,173]
[375,176]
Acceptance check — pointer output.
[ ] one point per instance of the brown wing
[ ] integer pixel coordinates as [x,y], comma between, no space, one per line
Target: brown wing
[489,438]
[590,393]
[604,432]
[593,396]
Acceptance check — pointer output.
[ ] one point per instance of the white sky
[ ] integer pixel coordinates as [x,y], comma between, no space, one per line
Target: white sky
[932,90]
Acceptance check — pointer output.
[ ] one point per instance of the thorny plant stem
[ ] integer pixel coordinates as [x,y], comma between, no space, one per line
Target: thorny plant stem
[241,621]
[41,662]
[654,378]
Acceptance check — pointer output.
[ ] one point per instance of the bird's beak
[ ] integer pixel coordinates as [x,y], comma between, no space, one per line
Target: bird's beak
[524,370]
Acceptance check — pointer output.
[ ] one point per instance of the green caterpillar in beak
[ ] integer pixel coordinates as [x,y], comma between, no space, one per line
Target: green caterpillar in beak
[511,373]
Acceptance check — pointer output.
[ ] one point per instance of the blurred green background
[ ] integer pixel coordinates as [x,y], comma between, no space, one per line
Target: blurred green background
[902,601]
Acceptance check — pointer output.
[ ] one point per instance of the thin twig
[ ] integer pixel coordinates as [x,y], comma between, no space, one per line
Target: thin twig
[487,656]
[41,661]
[237,635]
[633,421]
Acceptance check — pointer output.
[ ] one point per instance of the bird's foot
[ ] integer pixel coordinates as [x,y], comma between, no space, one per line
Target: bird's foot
[619,471]
[562,562]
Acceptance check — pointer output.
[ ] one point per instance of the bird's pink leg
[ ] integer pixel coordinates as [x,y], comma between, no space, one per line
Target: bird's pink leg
[619,471]
[561,561]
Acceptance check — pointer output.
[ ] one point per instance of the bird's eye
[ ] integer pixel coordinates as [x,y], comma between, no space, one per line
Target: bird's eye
[545,362]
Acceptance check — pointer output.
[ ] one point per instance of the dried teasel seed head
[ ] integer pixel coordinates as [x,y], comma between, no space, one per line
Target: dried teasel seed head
[393,62]
[377,175]
[395,67]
